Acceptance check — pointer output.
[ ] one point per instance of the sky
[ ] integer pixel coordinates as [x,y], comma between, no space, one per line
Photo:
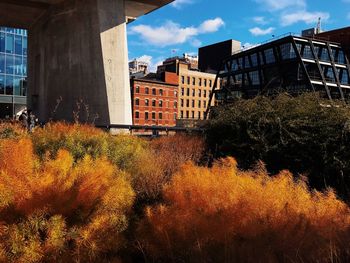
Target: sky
[185,25]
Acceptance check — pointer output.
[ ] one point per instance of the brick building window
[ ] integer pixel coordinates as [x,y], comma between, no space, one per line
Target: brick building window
[153,103]
[187,114]
[192,114]
[175,104]
[146,116]
[188,80]
[161,92]
[146,102]
[182,103]
[200,93]
[183,79]
[199,115]
[154,92]
[137,89]
[210,82]
[199,104]
[160,115]
[153,115]
[193,92]
[193,102]
[175,93]
[193,81]
[187,103]
[200,82]
[188,92]
[137,102]
[182,91]
[137,115]
[205,94]
[182,114]
[147,90]
[205,82]
[161,103]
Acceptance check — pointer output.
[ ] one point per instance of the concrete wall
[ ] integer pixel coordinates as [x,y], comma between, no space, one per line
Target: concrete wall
[78,63]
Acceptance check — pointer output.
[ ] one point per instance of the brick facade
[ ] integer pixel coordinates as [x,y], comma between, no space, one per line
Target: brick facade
[154,103]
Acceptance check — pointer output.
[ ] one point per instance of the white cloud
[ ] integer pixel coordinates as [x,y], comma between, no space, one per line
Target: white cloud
[211,25]
[288,19]
[274,5]
[179,3]
[172,33]
[152,63]
[260,20]
[257,31]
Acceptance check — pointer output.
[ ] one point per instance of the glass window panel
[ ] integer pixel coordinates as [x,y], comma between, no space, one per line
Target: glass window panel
[18,45]
[328,74]
[9,64]
[17,82]
[341,57]
[2,63]
[246,62]
[287,51]
[269,56]
[254,58]
[2,42]
[18,65]
[9,85]
[24,87]
[24,46]
[307,53]
[234,67]
[9,44]
[10,30]
[254,77]
[323,55]
[2,84]
[343,76]
[24,66]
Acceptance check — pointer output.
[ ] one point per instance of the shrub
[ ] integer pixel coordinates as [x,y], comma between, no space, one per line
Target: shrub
[305,135]
[58,210]
[226,215]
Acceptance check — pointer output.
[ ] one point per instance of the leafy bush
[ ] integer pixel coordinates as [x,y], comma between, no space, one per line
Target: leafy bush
[305,135]
[226,215]
[56,210]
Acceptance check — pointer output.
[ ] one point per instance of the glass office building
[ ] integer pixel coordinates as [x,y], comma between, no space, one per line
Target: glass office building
[13,71]
[291,64]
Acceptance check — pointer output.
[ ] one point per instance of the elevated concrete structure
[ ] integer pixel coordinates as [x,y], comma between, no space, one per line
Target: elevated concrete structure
[78,55]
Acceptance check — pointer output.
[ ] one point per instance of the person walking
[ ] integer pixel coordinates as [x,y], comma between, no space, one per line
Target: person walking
[31,121]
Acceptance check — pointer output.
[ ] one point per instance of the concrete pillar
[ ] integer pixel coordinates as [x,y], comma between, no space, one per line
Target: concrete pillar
[78,63]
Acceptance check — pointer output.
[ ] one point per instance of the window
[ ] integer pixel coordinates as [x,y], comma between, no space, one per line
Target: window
[153,115]
[9,85]
[2,42]
[200,93]
[146,102]
[161,92]
[9,44]
[182,114]
[2,63]
[137,102]
[182,103]
[187,114]
[193,103]
[210,82]
[192,114]
[205,93]
[153,103]
[154,92]
[188,80]
[205,82]
[160,115]
[193,81]
[182,92]
[183,79]
[254,59]
[175,94]
[199,115]
[137,115]
[18,45]
[188,91]
[254,78]
[193,92]
[205,104]
[200,82]
[187,103]
[307,52]
[175,104]
[199,104]
[175,116]
[147,90]
[287,51]
[10,64]
[269,56]
[160,103]
[2,84]
[137,89]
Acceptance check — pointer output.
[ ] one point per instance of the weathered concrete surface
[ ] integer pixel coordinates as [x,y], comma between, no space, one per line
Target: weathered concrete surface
[77,56]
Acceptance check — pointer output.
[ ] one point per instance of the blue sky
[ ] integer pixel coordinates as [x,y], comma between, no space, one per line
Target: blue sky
[185,25]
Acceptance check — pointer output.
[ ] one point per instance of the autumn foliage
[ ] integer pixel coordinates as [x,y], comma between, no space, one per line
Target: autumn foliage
[73,193]
[59,210]
[223,214]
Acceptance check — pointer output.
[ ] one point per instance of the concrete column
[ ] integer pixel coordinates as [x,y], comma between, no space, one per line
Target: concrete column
[78,63]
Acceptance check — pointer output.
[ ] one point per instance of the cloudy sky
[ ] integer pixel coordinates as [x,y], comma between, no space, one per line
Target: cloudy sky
[185,25]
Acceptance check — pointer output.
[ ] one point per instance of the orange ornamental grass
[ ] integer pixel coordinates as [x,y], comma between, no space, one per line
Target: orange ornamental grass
[223,214]
[59,210]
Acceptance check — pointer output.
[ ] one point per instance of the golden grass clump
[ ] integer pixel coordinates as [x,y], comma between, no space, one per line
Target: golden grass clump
[223,214]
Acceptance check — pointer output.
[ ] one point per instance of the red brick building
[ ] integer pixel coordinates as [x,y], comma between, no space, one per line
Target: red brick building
[154,102]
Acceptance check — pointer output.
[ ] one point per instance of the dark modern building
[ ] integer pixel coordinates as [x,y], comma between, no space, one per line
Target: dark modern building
[291,64]
[13,71]
[210,57]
